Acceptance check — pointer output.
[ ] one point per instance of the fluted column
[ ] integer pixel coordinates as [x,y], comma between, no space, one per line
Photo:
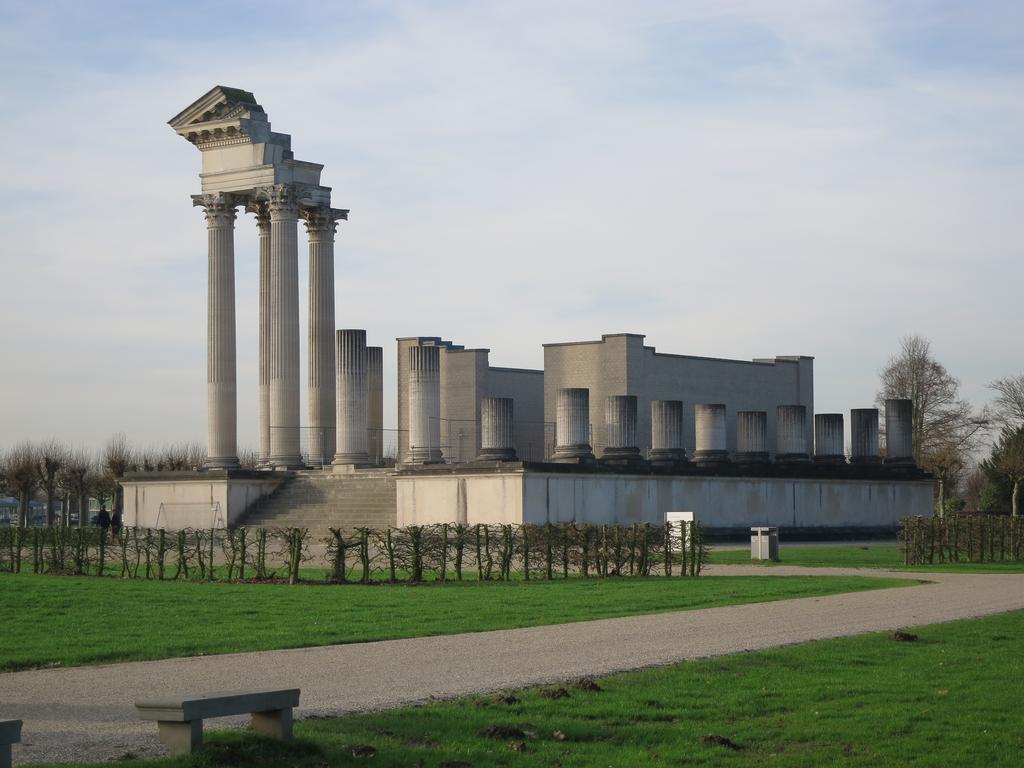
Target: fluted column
[751,437]
[864,436]
[620,428]
[829,443]
[572,426]
[791,433]
[899,433]
[712,447]
[375,403]
[221,384]
[352,411]
[424,405]
[262,213]
[321,224]
[496,429]
[667,432]
[284,327]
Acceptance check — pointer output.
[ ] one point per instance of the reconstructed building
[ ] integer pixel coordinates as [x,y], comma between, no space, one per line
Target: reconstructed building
[621,364]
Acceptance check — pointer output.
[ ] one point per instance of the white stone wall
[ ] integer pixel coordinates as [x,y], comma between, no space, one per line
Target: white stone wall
[539,497]
[620,364]
[191,503]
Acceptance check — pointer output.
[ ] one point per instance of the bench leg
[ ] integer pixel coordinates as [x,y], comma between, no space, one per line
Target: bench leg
[5,756]
[181,738]
[275,723]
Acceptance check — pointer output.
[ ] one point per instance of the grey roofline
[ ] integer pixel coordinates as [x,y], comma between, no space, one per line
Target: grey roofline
[515,370]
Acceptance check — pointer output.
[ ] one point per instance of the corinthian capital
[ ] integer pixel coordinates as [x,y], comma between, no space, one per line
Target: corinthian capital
[262,212]
[282,200]
[219,208]
[322,222]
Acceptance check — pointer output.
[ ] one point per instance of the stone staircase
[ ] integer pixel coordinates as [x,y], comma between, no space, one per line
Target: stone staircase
[322,500]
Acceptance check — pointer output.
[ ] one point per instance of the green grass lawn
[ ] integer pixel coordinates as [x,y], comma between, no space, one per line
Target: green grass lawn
[949,699]
[81,620]
[857,557]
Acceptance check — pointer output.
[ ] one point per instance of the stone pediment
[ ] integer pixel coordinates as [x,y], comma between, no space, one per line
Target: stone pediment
[221,117]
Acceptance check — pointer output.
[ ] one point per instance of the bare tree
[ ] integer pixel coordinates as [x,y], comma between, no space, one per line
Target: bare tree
[20,471]
[74,479]
[1008,407]
[945,428]
[118,458]
[50,458]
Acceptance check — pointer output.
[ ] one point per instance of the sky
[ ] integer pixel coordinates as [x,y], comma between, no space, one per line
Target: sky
[732,179]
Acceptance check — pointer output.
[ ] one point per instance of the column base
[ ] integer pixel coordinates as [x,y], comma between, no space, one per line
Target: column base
[667,456]
[497,454]
[710,458]
[791,458]
[286,462]
[425,456]
[830,458]
[221,462]
[573,454]
[752,457]
[869,460]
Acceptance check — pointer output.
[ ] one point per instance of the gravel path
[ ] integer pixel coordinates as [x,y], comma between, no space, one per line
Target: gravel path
[86,712]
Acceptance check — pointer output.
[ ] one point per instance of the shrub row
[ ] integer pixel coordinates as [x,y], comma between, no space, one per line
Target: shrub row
[414,554]
[962,538]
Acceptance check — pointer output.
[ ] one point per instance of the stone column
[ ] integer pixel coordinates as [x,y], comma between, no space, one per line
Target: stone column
[497,441]
[284,327]
[321,224]
[751,437]
[791,433]
[375,404]
[712,447]
[899,432]
[263,233]
[572,426]
[221,384]
[620,429]
[667,432]
[351,399]
[829,443]
[424,405]
[864,436]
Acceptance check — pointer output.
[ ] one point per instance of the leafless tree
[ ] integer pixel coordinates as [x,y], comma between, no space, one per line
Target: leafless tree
[50,458]
[118,458]
[248,458]
[945,428]
[1008,459]
[20,471]
[74,479]
[1008,407]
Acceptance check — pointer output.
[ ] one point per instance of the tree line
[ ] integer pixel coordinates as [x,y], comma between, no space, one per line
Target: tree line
[976,455]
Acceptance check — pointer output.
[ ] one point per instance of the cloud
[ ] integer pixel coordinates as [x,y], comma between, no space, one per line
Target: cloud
[734,179]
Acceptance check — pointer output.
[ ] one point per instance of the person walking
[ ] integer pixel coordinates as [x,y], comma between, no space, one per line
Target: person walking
[103,520]
[115,526]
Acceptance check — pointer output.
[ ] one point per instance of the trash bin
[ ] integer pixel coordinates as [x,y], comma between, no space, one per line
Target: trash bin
[764,543]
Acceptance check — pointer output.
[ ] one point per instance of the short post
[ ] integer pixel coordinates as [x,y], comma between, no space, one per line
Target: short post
[10,733]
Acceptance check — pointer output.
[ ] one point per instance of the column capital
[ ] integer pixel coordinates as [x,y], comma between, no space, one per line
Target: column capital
[262,212]
[219,208]
[282,201]
[322,221]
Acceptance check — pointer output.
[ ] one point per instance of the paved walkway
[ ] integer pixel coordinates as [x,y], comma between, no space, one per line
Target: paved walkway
[86,712]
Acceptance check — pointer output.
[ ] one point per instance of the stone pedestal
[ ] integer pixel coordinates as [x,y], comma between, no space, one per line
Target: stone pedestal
[791,434]
[712,447]
[864,436]
[221,384]
[351,402]
[375,404]
[899,432]
[424,405]
[572,426]
[751,437]
[667,432]
[496,429]
[284,328]
[829,439]
[620,430]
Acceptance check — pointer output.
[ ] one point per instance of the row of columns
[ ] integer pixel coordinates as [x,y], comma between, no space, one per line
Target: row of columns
[572,432]
[277,209]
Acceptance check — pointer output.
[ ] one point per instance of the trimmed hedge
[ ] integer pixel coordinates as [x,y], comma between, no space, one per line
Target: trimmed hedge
[962,538]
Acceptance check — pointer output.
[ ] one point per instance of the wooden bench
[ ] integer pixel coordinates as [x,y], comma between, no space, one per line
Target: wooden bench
[10,733]
[180,718]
